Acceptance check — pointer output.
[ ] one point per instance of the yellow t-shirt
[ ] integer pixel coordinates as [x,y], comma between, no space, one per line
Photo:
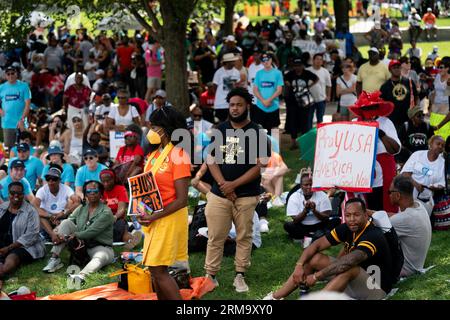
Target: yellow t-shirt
[373,77]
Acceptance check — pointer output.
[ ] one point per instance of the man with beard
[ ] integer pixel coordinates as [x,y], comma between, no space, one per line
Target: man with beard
[240,150]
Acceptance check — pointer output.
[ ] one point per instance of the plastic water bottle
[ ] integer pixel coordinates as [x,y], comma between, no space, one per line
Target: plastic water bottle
[136,224]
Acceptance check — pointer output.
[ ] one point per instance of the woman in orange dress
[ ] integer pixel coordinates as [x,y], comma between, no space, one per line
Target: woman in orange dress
[166,231]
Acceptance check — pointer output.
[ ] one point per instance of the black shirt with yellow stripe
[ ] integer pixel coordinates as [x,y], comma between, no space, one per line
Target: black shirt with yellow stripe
[370,240]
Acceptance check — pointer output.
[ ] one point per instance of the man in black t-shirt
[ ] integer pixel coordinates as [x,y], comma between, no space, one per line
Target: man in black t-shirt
[363,269]
[238,151]
[398,90]
[414,134]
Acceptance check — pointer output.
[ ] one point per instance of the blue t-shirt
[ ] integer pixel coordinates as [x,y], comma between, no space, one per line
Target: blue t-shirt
[267,83]
[84,174]
[12,97]
[68,174]
[5,182]
[14,150]
[33,167]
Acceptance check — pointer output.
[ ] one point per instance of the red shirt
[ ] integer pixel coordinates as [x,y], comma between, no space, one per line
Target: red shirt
[124,55]
[113,197]
[78,98]
[206,99]
[127,154]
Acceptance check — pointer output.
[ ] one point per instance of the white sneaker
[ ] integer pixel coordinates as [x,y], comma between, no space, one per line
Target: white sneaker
[263,225]
[269,296]
[214,280]
[53,265]
[239,283]
[277,202]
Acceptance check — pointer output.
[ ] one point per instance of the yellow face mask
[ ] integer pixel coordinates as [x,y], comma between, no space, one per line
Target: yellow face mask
[153,137]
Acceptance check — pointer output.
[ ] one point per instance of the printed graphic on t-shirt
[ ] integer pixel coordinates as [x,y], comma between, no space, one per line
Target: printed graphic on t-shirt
[228,83]
[422,170]
[267,84]
[12,97]
[232,149]
[418,139]
[399,92]
[299,85]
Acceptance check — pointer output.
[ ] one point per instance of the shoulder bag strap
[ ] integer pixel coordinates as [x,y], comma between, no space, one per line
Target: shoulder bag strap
[159,160]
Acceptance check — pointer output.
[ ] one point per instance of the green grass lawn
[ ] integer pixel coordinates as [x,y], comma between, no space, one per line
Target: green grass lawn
[427,47]
[271,265]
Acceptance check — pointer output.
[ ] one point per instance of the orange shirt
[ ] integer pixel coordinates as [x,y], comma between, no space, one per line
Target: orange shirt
[429,18]
[176,166]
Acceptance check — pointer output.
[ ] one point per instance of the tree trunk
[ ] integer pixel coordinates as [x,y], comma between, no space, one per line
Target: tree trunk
[229,12]
[176,70]
[341,8]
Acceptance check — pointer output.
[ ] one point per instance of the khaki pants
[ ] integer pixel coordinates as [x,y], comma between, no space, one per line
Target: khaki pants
[220,212]
[100,255]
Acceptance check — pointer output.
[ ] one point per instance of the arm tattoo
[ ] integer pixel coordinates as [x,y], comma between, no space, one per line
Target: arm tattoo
[344,263]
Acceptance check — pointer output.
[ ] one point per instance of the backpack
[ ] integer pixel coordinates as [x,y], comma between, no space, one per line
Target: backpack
[196,243]
[396,253]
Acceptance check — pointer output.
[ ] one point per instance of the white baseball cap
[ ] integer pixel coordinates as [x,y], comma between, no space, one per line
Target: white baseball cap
[374,50]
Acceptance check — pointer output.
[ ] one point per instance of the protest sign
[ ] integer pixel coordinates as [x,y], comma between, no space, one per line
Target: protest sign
[143,188]
[345,156]
[116,140]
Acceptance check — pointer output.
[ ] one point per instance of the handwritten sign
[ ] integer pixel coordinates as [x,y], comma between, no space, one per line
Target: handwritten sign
[143,188]
[345,156]
[116,140]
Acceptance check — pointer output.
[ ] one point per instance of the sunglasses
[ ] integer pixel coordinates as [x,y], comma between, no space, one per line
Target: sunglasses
[196,115]
[53,179]
[88,191]
[75,120]
[122,97]
[89,158]
[442,67]
[16,193]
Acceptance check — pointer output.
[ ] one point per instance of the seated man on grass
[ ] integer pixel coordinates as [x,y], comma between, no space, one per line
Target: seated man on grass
[363,269]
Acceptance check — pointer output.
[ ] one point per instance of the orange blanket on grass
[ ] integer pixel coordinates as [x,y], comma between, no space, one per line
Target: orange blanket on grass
[200,286]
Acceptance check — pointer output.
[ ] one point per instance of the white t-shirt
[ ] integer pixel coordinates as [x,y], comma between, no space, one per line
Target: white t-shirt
[440,89]
[225,80]
[425,172]
[388,127]
[88,66]
[252,70]
[319,90]
[123,120]
[347,99]
[51,203]
[296,204]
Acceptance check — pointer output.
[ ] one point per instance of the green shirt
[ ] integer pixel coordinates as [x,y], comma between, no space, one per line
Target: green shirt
[99,227]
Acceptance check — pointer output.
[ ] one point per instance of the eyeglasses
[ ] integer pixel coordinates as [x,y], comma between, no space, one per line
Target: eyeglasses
[88,191]
[16,193]
[53,179]
[75,120]
[89,158]
[392,191]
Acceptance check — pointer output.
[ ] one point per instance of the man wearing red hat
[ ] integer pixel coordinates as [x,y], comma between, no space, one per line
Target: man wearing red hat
[370,107]
[398,90]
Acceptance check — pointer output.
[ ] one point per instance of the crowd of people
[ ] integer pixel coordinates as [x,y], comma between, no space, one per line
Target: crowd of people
[62,95]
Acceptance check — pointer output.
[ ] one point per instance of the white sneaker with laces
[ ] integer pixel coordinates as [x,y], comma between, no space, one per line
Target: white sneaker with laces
[239,283]
[263,225]
[53,265]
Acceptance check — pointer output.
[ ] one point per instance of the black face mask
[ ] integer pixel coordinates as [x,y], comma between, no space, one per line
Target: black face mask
[239,119]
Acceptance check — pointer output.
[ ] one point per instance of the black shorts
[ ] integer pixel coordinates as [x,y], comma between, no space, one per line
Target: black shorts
[267,120]
[24,256]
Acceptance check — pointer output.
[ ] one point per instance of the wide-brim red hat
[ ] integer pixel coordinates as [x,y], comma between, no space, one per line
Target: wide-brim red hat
[367,99]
